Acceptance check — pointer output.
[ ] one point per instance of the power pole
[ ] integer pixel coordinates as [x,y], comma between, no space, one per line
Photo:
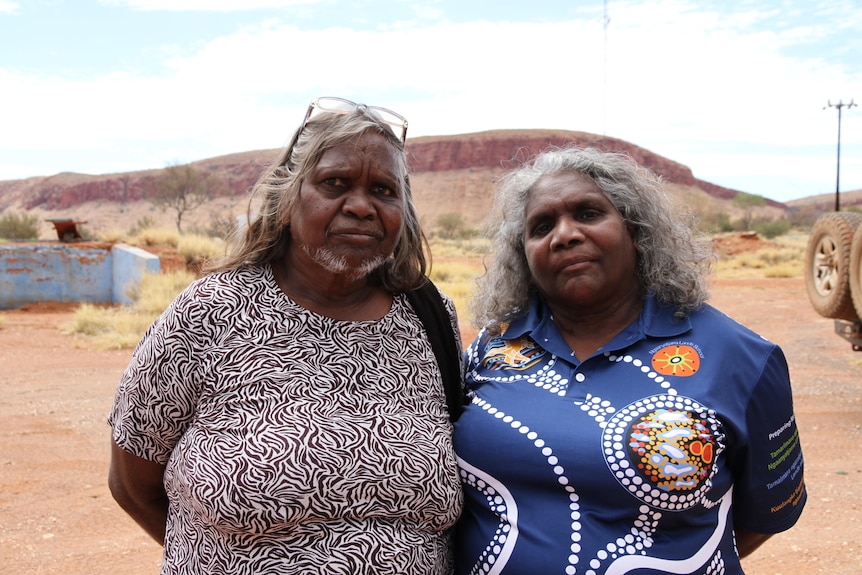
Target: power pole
[839,105]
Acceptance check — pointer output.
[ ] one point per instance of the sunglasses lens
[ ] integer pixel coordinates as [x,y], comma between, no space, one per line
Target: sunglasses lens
[337,105]
[342,106]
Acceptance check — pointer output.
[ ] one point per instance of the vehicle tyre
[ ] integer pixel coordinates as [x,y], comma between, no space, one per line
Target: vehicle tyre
[856,271]
[827,265]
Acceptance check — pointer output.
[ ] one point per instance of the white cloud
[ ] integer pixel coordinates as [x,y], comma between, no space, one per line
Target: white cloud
[205,5]
[9,7]
[718,93]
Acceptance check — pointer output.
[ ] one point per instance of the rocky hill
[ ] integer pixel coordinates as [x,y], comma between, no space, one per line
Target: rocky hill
[448,174]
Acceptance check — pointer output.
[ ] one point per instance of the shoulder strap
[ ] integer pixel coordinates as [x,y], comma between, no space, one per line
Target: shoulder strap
[432,312]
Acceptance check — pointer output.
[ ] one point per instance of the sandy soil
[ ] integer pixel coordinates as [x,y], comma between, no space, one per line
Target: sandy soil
[56,515]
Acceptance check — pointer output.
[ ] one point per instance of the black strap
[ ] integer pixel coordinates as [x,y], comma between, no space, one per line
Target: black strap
[429,306]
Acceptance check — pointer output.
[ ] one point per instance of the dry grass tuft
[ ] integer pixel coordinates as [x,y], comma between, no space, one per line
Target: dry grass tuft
[783,257]
[122,327]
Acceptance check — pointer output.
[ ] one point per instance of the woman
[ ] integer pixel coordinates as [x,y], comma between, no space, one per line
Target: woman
[285,414]
[619,424]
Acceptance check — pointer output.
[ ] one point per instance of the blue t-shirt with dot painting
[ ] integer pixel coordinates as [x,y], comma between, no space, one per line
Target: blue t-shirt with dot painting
[638,460]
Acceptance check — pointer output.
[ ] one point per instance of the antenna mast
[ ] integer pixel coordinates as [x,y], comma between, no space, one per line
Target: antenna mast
[839,105]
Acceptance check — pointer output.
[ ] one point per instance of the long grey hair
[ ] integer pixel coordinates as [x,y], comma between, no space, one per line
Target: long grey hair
[673,259]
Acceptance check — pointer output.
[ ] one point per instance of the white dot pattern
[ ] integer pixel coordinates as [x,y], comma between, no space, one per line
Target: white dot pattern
[497,504]
[615,423]
[614,443]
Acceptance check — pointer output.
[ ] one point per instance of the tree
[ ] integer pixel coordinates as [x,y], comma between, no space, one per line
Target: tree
[747,202]
[183,188]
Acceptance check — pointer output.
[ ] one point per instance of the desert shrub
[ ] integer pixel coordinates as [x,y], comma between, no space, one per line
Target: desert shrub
[804,217]
[144,223]
[19,226]
[197,248]
[772,228]
[715,223]
[218,226]
[451,225]
[155,237]
[156,291]
[86,233]
[113,236]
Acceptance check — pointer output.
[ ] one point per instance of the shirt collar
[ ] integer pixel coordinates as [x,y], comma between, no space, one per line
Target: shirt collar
[656,319]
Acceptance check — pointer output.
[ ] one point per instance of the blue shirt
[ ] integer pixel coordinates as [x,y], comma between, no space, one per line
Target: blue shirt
[639,459]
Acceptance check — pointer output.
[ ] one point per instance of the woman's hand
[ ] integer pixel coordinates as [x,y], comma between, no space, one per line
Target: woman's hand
[138,487]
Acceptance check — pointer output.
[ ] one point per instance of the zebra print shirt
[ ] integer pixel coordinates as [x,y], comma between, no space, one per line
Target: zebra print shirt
[294,443]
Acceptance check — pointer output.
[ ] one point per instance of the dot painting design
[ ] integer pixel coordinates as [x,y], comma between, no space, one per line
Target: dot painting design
[662,450]
[497,505]
[645,369]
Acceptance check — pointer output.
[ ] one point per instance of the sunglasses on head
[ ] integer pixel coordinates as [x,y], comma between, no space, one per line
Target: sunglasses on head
[335,105]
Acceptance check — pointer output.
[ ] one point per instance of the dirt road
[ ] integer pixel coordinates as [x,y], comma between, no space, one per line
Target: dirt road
[56,515]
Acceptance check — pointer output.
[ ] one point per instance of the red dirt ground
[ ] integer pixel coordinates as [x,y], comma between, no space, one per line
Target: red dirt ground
[56,515]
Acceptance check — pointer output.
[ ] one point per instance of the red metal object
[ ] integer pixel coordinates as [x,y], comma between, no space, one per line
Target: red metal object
[67,230]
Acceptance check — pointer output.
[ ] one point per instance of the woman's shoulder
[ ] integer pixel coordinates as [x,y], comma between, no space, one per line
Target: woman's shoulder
[708,317]
[229,287]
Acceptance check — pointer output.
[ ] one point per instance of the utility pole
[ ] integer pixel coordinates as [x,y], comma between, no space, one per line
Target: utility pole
[839,105]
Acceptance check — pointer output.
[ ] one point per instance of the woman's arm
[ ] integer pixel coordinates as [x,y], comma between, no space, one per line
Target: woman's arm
[137,486]
[748,541]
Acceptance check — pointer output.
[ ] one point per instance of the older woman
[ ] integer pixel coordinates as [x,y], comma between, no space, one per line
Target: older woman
[619,424]
[286,413]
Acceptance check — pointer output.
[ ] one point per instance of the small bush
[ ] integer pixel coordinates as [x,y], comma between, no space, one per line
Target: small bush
[155,237]
[144,223]
[716,223]
[156,291]
[113,235]
[772,228]
[451,225]
[195,248]
[19,226]
[218,226]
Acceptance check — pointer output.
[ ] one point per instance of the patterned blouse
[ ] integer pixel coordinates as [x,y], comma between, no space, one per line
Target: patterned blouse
[294,443]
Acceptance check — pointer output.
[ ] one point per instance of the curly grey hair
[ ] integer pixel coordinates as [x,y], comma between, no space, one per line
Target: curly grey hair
[673,260]
[274,196]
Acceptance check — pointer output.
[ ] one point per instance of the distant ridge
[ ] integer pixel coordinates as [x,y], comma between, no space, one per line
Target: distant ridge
[493,150]
[448,174]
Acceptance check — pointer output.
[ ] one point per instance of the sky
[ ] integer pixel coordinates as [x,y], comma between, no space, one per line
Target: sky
[743,92]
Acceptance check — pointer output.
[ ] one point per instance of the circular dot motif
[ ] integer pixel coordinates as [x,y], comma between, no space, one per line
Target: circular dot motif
[663,450]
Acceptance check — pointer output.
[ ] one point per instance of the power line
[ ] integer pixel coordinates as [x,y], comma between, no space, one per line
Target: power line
[839,105]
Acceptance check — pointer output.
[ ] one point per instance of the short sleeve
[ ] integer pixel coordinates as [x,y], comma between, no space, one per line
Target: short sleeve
[769,487]
[158,391]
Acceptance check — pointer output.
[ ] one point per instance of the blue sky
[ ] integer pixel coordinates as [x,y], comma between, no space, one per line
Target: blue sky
[735,90]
